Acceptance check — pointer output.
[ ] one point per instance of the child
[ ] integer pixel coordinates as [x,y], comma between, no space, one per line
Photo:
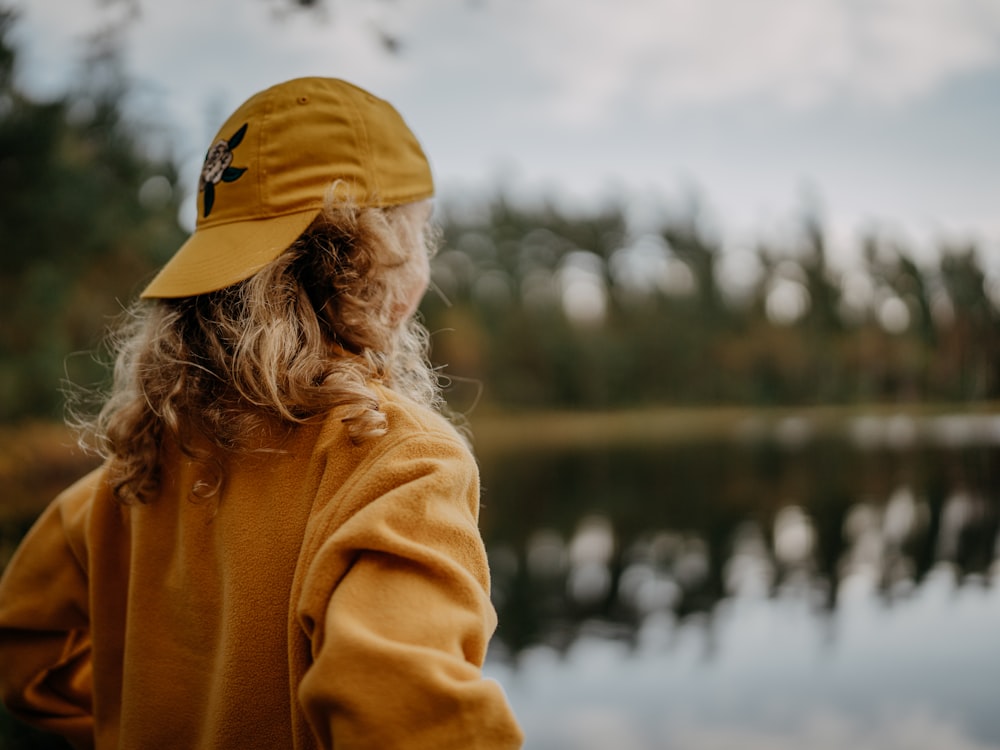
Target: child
[281,548]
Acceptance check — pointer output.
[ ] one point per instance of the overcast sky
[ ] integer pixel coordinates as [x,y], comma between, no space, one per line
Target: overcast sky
[872,112]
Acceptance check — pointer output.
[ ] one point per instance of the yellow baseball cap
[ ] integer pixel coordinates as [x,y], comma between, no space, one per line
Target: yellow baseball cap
[270,167]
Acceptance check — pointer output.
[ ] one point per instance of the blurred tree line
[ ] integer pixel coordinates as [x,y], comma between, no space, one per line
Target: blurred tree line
[544,307]
[85,213]
[580,311]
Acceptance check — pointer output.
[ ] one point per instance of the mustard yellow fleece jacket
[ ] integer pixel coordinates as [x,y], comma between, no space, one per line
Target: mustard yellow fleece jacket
[333,595]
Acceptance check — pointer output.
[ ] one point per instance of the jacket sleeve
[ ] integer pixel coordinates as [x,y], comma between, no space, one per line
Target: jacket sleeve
[45,657]
[397,605]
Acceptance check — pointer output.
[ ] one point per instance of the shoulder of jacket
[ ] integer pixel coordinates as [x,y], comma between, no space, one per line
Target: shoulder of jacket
[76,500]
[410,418]
[414,432]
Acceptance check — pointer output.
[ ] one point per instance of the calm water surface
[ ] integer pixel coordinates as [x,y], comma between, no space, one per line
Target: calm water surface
[776,591]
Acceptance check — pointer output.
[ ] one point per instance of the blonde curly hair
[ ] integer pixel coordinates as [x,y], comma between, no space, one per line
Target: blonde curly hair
[308,332]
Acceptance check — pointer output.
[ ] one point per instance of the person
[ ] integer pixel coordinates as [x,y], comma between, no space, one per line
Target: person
[281,547]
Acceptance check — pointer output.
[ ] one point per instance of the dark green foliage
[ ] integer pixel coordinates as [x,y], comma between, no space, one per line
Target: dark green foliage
[85,215]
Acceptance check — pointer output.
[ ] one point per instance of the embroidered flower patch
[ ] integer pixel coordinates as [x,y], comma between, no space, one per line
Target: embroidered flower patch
[218,167]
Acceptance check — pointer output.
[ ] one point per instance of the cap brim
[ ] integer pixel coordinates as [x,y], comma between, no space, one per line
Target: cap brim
[216,257]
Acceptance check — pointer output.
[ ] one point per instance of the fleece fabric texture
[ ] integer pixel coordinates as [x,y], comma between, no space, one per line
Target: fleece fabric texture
[332,595]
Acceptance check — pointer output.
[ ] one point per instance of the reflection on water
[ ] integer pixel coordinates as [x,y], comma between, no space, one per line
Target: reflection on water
[768,592]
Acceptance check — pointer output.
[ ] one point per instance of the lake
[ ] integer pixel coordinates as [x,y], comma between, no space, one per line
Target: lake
[779,588]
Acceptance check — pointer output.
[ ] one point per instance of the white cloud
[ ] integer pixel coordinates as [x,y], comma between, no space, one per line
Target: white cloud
[581,59]
[596,55]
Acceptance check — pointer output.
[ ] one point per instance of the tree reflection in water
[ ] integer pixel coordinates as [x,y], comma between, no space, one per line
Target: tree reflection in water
[628,556]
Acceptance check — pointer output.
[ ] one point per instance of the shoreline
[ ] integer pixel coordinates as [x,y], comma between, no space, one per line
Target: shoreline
[39,458]
[869,425]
